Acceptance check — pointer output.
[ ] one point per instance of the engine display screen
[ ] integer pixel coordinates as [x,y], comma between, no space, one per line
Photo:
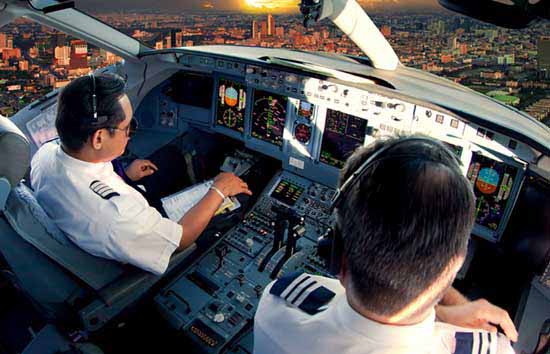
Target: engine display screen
[269,117]
[231,105]
[287,192]
[343,134]
[493,182]
[305,110]
[191,89]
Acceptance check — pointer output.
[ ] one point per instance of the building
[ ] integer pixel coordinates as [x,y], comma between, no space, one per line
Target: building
[463,48]
[179,39]
[23,65]
[62,56]
[263,31]
[280,32]
[171,39]
[60,40]
[14,53]
[79,54]
[497,75]
[270,25]
[33,52]
[452,43]
[3,41]
[386,31]
[507,59]
[446,58]
[544,53]
[254,29]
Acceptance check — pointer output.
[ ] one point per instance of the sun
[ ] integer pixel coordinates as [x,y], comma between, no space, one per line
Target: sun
[253,3]
[272,5]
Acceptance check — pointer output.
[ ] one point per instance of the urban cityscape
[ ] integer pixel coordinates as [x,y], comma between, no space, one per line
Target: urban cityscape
[512,66]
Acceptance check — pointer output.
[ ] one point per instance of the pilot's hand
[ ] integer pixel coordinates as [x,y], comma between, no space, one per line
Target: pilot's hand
[479,314]
[231,185]
[139,169]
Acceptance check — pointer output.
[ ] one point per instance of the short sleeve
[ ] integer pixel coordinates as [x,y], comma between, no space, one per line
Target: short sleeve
[139,235]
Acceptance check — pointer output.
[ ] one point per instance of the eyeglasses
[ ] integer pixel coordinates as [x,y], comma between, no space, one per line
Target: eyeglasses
[130,128]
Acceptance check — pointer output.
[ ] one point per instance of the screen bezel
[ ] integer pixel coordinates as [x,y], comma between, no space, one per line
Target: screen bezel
[483,231]
[278,148]
[324,131]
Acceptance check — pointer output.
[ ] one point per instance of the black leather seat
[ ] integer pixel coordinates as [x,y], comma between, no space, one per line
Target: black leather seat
[57,275]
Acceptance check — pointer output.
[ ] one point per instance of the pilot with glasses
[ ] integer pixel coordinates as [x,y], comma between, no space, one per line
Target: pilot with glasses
[97,202]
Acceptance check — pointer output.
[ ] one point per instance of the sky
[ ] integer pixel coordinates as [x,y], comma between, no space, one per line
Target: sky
[239,5]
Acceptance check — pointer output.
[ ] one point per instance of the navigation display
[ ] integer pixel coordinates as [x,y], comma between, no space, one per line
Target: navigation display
[493,182]
[343,134]
[269,117]
[231,105]
[287,192]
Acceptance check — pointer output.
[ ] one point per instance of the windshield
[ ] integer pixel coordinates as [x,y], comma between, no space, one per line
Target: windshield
[512,66]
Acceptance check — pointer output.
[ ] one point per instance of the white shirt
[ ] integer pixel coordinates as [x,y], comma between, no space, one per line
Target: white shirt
[282,328]
[100,212]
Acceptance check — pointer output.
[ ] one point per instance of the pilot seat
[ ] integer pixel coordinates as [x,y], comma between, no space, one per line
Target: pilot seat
[66,284]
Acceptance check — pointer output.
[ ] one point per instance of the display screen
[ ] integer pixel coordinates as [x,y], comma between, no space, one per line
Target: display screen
[302,133]
[191,89]
[231,105]
[493,182]
[305,110]
[343,134]
[287,192]
[269,117]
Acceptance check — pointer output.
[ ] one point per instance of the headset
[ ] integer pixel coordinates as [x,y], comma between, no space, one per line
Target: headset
[330,245]
[95,119]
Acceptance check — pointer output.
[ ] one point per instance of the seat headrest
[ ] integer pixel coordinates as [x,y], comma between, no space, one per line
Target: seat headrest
[15,153]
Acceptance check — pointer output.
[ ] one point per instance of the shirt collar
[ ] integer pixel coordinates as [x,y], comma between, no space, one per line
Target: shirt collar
[417,336]
[79,165]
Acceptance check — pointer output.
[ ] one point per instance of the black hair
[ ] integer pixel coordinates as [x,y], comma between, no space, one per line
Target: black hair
[74,121]
[403,223]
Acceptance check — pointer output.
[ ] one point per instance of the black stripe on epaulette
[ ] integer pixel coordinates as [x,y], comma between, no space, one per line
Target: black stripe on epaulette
[316,301]
[464,343]
[281,284]
[103,190]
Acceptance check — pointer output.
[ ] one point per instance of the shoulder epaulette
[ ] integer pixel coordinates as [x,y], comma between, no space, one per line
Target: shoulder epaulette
[103,190]
[479,342]
[301,290]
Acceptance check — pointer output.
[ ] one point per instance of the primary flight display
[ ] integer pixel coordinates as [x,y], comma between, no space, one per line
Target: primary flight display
[231,105]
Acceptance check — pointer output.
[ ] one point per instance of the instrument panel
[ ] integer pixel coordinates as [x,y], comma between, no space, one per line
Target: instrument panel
[313,125]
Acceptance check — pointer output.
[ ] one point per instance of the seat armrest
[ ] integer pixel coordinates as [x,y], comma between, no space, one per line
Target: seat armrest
[5,188]
[139,280]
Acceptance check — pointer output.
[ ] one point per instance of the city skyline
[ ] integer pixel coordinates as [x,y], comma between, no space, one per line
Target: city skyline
[509,65]
[276,6]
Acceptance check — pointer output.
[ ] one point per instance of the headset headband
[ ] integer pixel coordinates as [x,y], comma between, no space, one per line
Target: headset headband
[95,119]
[374,158]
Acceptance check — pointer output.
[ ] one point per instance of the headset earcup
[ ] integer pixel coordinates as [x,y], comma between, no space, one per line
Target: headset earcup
[329,249]
[336,252]
[324,246]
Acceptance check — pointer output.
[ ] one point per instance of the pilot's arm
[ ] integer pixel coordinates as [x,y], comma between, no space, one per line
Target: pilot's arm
[195,220]
[456,309]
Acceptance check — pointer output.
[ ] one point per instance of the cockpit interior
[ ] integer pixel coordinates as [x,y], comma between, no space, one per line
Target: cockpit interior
[286,124]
